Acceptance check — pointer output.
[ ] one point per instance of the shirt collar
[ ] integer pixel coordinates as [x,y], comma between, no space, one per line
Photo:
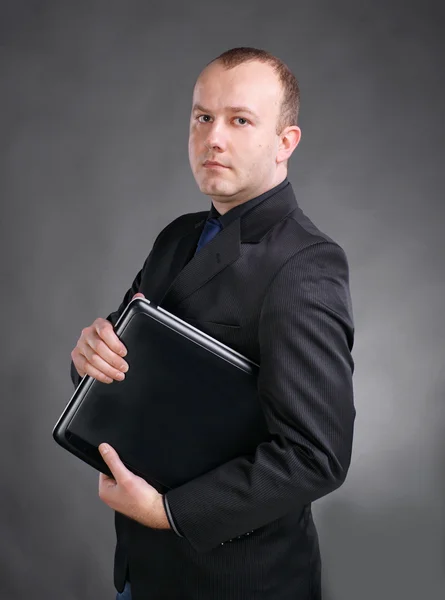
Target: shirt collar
[241,209]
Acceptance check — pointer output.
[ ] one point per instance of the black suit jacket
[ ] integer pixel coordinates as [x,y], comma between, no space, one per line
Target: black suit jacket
[275,288]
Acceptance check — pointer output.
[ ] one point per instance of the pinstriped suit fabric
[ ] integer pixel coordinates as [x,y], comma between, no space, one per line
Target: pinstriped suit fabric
[275,288]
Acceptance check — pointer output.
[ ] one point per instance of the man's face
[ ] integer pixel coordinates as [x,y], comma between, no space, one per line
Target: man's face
[222,130]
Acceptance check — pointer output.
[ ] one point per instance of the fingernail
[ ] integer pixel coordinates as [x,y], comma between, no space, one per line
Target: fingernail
[104,448]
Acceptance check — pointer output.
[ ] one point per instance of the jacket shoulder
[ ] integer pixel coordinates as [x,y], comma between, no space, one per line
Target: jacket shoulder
[305,229]
[295,233]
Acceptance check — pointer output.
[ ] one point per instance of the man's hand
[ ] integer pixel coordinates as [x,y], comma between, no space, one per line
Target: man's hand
[129,494]
[99,352]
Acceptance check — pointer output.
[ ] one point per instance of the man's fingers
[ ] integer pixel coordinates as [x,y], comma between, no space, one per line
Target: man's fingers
[104,359]
[96,374]
[84,367]
[99,352]
[106,332]
[111,341]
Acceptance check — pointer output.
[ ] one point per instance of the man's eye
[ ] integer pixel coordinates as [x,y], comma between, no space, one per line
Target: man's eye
[242,119]
[203,116]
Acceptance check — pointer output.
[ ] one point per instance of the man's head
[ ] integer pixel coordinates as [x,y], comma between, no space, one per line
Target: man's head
[244,116]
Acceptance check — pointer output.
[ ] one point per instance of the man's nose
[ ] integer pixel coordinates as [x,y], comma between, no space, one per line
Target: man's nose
[216,137]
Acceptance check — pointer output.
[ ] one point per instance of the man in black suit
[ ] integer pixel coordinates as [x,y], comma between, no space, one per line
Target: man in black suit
[258,275]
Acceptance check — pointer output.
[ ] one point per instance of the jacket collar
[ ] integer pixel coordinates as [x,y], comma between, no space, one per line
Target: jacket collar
[242,209]
[191,271]
[256,222]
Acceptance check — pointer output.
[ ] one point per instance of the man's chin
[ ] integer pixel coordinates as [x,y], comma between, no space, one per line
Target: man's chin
[215,188]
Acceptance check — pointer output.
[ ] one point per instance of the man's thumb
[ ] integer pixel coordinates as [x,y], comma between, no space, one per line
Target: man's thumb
[138,295]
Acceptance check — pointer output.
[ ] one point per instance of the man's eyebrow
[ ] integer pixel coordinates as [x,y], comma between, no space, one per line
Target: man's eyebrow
[242,109]
[229,108]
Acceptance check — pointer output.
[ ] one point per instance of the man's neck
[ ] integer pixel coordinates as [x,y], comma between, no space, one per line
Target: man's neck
[224,207]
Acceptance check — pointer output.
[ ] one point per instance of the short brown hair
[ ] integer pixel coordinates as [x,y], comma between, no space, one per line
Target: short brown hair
[290,105]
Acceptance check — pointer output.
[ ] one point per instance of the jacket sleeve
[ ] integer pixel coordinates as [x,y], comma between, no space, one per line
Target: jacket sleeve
[305,389]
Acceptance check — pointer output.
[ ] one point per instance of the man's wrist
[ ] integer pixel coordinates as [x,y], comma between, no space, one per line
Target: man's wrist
[161,520]
[170,516]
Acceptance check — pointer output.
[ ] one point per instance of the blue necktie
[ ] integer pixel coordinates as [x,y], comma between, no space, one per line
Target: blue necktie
[211,228]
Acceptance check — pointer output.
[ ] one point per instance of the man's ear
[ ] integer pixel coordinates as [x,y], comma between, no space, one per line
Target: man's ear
[289,139]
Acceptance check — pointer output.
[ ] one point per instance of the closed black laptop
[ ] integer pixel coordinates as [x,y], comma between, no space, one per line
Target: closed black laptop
[188,403]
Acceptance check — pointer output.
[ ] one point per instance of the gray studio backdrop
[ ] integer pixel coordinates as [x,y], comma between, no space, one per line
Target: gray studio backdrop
[94,108]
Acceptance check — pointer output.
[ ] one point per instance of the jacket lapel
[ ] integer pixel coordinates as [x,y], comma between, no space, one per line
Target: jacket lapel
[190,272]
[215,256]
